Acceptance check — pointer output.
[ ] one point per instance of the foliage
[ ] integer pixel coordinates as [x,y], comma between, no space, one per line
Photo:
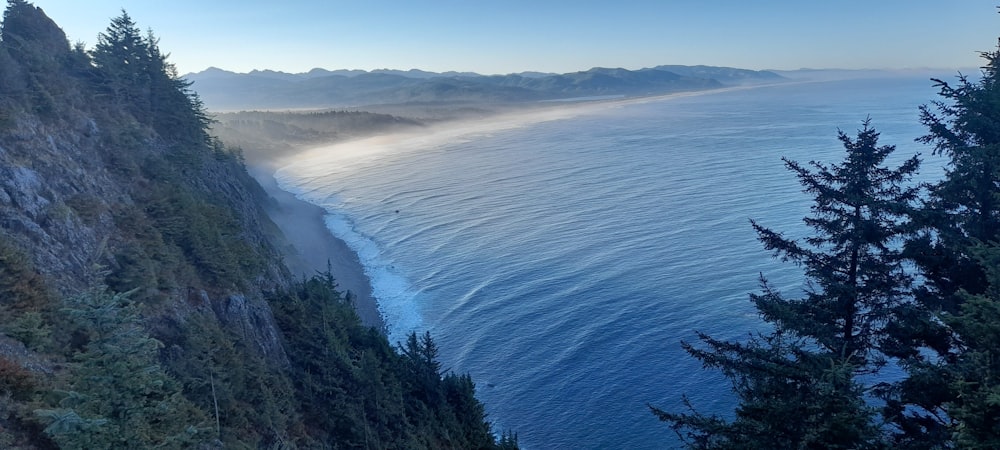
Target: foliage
[248,402]
[964,208]
[358,391]
[24,298]
[972,376]
[945,340]
[856,273]
[15,381]
[118,395]
[946,337]
[797,385]
[154,359]
[790,397]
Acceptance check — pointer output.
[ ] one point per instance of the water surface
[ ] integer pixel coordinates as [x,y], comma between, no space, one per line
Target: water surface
[561,262]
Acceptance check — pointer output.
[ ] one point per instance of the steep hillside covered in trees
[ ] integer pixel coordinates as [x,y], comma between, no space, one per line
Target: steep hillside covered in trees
[143,302]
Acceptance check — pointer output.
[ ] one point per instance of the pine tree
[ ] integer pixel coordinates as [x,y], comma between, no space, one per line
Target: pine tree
[119,395]
[790,396]
[945,339]
[964,208]
[122,58]
[797,384]
[174,109]
[852,260]
[974,375]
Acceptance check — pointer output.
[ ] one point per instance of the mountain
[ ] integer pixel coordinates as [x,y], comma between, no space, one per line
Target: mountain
[601,81]
[725,75]
[319,88]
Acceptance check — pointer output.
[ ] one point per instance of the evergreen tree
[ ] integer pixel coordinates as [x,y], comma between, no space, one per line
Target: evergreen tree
[945,338]
[790,396]
[972,376]
[122,56]
[797,384]
[178,363]
[174,109]
[38,53]
[852,260]
[119,396]
[964,208]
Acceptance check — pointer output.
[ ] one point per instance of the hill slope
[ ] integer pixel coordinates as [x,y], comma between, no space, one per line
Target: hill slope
[143,301]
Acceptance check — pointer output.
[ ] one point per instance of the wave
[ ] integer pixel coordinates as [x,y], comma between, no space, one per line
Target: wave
[395,295]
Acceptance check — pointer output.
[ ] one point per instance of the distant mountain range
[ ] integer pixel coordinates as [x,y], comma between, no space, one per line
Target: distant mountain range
[319,88]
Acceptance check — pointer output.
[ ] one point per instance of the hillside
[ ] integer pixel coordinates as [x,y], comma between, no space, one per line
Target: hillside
[144,301]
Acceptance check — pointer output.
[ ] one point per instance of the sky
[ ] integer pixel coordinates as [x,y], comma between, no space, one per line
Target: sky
[499,37]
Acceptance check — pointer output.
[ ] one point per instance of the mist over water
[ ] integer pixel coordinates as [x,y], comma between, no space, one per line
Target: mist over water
[561,262]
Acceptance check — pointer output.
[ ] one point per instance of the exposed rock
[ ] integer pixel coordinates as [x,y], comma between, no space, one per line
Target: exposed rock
[252,319]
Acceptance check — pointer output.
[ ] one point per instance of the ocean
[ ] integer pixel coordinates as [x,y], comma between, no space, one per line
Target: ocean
[561,257]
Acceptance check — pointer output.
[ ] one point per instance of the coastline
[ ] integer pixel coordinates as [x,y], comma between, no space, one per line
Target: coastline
[313,248]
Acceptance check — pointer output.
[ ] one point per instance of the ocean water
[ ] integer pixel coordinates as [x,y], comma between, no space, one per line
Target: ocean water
[561,257]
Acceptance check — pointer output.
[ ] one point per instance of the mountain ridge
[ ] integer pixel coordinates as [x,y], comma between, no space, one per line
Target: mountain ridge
[322,88]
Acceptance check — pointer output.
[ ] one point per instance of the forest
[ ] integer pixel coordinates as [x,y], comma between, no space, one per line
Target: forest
[143,301]
[895,342]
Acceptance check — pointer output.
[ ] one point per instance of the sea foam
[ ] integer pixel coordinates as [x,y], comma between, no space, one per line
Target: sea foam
[395,296]
[308,176]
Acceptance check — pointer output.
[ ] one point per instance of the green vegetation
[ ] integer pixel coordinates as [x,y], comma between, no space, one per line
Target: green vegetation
[355,389]
[143,303]
[899,275]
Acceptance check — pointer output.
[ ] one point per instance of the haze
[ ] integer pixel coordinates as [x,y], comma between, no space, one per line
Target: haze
[552,36]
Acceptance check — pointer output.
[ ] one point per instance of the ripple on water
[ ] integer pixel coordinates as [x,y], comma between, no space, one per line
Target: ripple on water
[561,264]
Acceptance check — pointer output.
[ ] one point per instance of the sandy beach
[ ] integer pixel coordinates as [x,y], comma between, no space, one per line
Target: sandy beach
[314,248]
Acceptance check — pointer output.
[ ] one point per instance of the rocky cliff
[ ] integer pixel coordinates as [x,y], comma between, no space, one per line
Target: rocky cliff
[77,177]
[143,303]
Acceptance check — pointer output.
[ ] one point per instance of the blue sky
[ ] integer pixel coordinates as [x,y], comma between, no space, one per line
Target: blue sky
[552,36]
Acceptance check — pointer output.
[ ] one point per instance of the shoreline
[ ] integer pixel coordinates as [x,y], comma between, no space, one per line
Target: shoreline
[312,248]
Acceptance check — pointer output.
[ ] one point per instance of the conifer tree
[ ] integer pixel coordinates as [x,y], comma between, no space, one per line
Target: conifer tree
[119,395]
[852,260]
[946,339]
[122,56]
[972,374]
[174,109]
[964,208]
[797,384]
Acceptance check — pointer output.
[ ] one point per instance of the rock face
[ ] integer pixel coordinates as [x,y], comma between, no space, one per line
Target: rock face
[58,200]
[39,178]
[96,193]
[253,322]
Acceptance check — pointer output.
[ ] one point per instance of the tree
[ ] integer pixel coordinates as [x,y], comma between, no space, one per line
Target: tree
[797,384]
[973,374]
[964,208]
[174,109]
[119,395]
[122,57]
[852,261]
[790,396]
[945,338]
